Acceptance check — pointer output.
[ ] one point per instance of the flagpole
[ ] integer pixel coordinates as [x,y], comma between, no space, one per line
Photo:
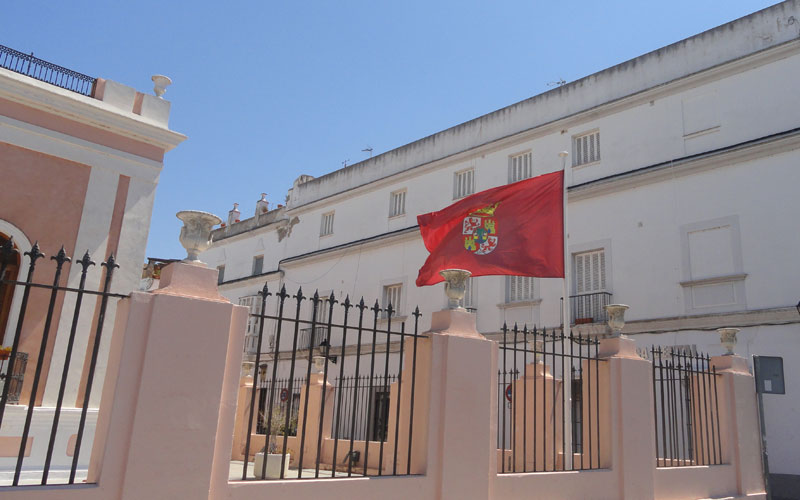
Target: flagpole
[566,378]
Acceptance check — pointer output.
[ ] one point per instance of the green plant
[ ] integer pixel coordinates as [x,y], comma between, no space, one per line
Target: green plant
[277,427]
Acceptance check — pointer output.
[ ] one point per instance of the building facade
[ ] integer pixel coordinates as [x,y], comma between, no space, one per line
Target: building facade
[80,159]
[681,199]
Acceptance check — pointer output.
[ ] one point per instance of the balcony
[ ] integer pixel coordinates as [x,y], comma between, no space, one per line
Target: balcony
[304,341]
[588,308]
[26,64]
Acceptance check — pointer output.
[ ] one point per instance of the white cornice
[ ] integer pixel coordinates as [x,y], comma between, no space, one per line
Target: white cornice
[700,322]
[366,243]
[677,85]
[700,163]
[70,105]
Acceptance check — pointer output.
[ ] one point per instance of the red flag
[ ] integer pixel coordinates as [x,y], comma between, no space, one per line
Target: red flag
[516,229]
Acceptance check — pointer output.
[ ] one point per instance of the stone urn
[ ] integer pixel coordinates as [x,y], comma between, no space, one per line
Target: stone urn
[318,364]
[537,347]
[196,233]
[455,286]
[160,84]
[727,337]
[616,318]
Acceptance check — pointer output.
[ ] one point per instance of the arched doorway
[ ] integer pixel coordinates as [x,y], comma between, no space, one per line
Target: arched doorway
[9,266]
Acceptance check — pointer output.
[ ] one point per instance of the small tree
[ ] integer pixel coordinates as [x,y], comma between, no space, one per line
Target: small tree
[275,428]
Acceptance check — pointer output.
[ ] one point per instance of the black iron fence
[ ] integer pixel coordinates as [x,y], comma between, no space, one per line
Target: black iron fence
[686,408]
[363,407]
[37,330]
[588,308]
[548,402]
[45,71]
[363,425]
[277,395]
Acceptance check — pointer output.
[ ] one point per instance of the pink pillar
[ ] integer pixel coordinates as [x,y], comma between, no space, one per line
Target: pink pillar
[463,414]
[741,435]
[544,398]
[627,423]
[317,388]
[242,412]
[173,372]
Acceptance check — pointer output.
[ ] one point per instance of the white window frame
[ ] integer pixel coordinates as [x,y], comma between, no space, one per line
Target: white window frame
[253,304]
[257,269]
[579,248]
[582,142]
[326,223]
[602,275]
[397,203]
[220,274]
[386,290]
[516,283]
[463,183]
[736,278]
[520,166]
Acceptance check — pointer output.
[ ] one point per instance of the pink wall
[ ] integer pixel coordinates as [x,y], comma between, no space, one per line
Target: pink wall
[43,197]
[169,405]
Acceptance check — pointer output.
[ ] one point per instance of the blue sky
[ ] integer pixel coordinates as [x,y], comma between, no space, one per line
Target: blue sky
[267,91]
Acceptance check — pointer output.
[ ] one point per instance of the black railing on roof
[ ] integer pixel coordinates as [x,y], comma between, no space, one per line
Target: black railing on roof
[45,71]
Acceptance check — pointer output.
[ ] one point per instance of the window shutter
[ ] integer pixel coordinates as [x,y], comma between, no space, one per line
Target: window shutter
[590,272]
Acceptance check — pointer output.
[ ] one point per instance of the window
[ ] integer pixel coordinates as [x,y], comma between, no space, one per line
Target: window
[519,289]
[323,308]
[397,203]
[326,227]
[520,167]
[220,274]
[258,265]
[391,295]
[253,304]
[589,279]
[590,272]
[463,183]
[586,149]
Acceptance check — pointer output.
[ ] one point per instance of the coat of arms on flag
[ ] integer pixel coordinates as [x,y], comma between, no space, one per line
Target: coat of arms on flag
[466,234]
[480,230]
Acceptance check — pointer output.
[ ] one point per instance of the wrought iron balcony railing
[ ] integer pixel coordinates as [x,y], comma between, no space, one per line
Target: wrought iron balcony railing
[588,307]
[304,341]
[26,64]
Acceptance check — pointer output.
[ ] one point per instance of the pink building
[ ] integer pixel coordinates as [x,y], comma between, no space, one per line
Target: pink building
[80,159]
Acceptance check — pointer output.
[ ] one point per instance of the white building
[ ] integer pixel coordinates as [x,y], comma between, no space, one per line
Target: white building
[683,178]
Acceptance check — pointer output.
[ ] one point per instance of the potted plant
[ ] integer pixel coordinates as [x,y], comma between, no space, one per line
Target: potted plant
[270,450]
[5,353]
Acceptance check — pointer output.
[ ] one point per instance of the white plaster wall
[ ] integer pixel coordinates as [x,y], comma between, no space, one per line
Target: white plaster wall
[781,411]
[640,223]
[727,44]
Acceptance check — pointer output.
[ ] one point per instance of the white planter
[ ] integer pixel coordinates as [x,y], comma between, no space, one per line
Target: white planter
[196,232]
[273,470]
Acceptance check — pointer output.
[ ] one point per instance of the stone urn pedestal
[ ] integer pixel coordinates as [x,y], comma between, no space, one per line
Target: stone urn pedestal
[273,470]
